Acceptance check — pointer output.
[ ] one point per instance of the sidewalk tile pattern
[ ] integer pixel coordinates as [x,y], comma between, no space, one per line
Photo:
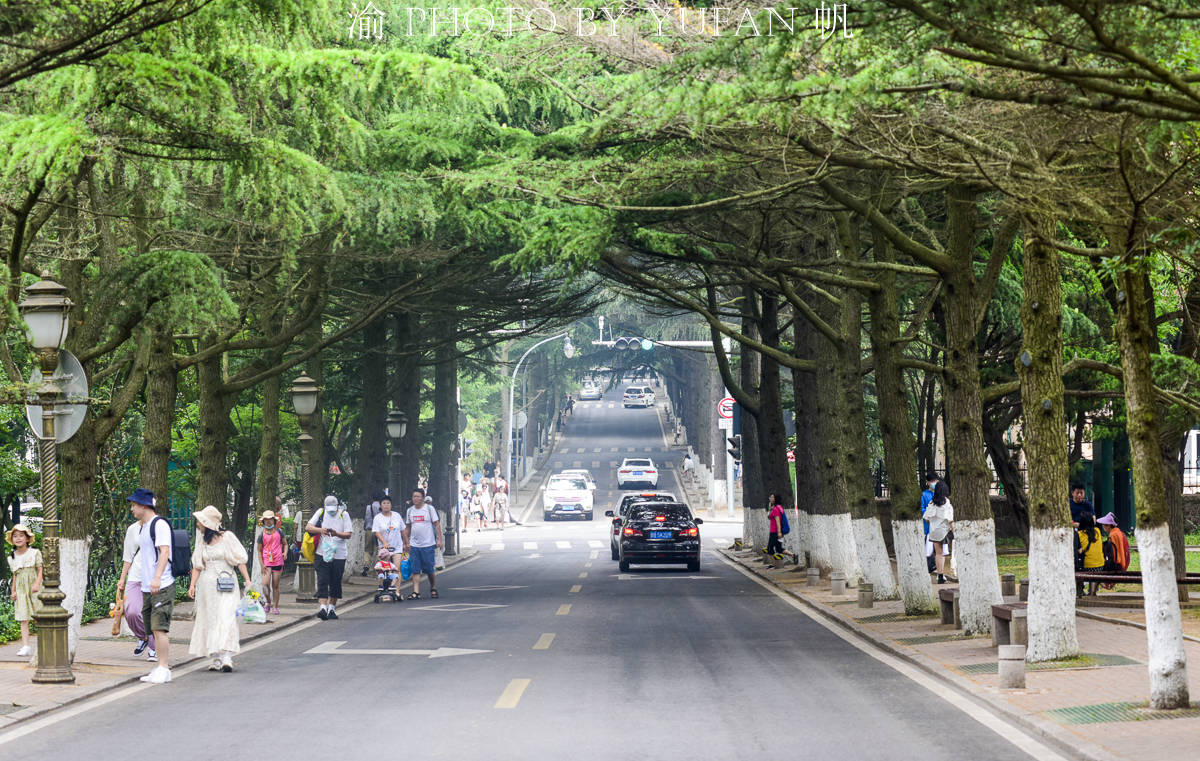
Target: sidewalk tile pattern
[1105,712]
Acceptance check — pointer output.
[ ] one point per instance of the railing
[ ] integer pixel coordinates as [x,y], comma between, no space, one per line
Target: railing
[880,483]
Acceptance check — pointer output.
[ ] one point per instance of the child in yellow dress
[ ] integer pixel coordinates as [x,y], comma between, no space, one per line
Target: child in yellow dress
[26,565]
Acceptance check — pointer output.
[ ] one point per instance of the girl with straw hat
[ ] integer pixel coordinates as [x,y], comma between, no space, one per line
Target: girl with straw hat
[215,590]
[26,565]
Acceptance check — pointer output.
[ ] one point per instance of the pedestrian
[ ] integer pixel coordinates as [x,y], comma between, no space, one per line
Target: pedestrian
[1116,546]
[500,507]
[421,535]
[1079,504]
[131,584]
[489,469]
[271,546]
[931,480]
[214,588]
[331,524]
[388,530]
[689,466]
[775,525]
[940,515]
[154,551]
[26,566]
[1089,551]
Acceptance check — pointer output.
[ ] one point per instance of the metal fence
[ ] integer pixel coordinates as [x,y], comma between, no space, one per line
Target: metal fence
[880,482]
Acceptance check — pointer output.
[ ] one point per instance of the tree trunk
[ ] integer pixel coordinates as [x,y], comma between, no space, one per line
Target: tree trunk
[754,495]
[1007,472]
[443,462]
[1164,632]
[161,382]
[212,467]
[808,447]
[974,527]
[1172,447]
[1051,563]
[407,398]
[77,461]
[772,434]
[899,445]
[318,469]
[370,472]
[268,450]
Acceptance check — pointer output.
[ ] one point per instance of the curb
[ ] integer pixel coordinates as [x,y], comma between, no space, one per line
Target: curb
[17,718]
[1067,743]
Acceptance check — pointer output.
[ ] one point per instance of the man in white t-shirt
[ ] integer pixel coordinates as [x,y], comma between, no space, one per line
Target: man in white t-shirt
[131,583]
[389,533]
[158,592]
[421,535]
[332,524]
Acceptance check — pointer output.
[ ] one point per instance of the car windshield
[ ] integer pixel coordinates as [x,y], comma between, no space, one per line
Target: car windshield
[637,463]
[650,511]
[567,483]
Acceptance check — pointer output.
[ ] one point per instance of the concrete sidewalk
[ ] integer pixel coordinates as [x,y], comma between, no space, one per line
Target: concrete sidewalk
[104,662]
[1094,707]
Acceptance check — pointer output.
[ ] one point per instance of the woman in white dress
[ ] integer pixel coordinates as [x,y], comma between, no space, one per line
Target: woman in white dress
[215,627]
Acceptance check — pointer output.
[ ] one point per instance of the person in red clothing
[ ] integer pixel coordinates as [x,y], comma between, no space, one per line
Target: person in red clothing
[774,525]
[1116,545]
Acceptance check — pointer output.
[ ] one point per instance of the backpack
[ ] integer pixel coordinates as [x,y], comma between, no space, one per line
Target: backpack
[310,543]
[181,549]
[784,527]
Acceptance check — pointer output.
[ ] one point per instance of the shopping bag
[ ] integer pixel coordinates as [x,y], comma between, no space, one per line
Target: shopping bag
[250,611]
[439,562]
[405,567]
[309,548]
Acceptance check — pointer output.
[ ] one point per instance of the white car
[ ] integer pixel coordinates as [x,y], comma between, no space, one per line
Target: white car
[638,396]
[566,495]
[590,393]
[586,475]
[637,470]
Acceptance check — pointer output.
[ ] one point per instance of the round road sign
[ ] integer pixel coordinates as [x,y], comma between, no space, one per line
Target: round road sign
[725,408]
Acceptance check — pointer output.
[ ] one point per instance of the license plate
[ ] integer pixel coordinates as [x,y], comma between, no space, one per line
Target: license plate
[660,534]
[638,473]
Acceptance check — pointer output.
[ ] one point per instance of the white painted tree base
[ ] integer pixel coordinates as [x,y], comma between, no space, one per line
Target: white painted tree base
[720,499]
[978,574]
[356,548]
[1164,629]
[873,557]
[794,541]
[912,568]
[842,548]
[73,570]
[820,543]
[1052,632]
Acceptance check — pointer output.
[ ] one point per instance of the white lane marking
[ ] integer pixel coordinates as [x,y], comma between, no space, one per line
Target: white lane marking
[457,607]
[614,449]
[638,577]
[594,543]
[587,564]
[583,574]
[562,544]
[531,545]
[564,610]
[487,588]
[597,449]
[500,545]
[576,588]
[334,648]
[611,405]
[594,554]
[70,712]
[979,713]
[581,450]
[648,449]
[558,464]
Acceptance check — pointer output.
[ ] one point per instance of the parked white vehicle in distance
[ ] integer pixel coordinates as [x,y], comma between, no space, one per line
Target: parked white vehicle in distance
[638,396]
[590,392]
[637,470]
[566,495]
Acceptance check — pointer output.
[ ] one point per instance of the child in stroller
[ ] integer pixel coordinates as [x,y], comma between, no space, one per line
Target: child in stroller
[388,576]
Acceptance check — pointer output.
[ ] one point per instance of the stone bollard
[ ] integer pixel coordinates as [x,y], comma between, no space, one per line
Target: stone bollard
[814,576]
[1012,667]
[1008,584]
[837,580]
[1024,590]
[866,595]
[1018,630]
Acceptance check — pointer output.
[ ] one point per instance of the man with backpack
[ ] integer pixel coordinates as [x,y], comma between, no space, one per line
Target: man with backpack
[332,527]
[156,553]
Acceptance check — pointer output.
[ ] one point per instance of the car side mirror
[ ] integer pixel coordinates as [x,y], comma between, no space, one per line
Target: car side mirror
[609,514]
[591,487]
[697,521]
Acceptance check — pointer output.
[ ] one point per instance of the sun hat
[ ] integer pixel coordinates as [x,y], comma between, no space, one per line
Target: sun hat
[142,496]
[8,535]
[268,515]
[1108,520]
[209,517]
[385,553]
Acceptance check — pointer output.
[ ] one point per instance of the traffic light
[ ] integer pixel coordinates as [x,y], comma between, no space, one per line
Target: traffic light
[468,445]
[632,342]
[735,447]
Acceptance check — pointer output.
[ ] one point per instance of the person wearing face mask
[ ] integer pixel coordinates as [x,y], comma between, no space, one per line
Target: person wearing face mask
[332,524]
[271,546]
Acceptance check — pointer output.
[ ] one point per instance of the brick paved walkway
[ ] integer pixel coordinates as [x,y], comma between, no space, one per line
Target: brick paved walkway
[1151,739]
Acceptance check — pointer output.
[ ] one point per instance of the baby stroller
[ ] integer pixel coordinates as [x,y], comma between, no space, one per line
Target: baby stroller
[387,574]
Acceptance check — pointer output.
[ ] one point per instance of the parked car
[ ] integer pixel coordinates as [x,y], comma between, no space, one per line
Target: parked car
[590,392]
[566,495]
[638,396]
[659,532]
[620,512]
[637,470]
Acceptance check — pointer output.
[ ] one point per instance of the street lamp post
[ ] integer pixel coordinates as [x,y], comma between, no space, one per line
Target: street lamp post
[512,396]
[45,312]
[397,426]
[304,400]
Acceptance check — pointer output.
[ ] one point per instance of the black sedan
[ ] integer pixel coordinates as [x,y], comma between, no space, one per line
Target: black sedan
[660,532]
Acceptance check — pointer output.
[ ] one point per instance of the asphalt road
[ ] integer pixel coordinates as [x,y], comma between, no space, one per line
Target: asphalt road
[577,660]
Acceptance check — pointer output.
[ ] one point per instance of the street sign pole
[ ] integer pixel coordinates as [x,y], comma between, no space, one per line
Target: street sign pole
[725,409]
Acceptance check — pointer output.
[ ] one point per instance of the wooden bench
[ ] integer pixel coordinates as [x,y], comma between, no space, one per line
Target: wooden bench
[949,600]
[1128,577]
[1010,624]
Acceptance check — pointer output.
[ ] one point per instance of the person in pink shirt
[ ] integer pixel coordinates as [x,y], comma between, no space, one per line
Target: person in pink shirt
[272,548]
[775,525]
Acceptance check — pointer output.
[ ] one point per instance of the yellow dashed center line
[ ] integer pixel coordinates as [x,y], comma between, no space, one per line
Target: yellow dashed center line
[512,693]
[563,610]
[587,564]
[576,588]
[583,575]
[543,642]
[594,554]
